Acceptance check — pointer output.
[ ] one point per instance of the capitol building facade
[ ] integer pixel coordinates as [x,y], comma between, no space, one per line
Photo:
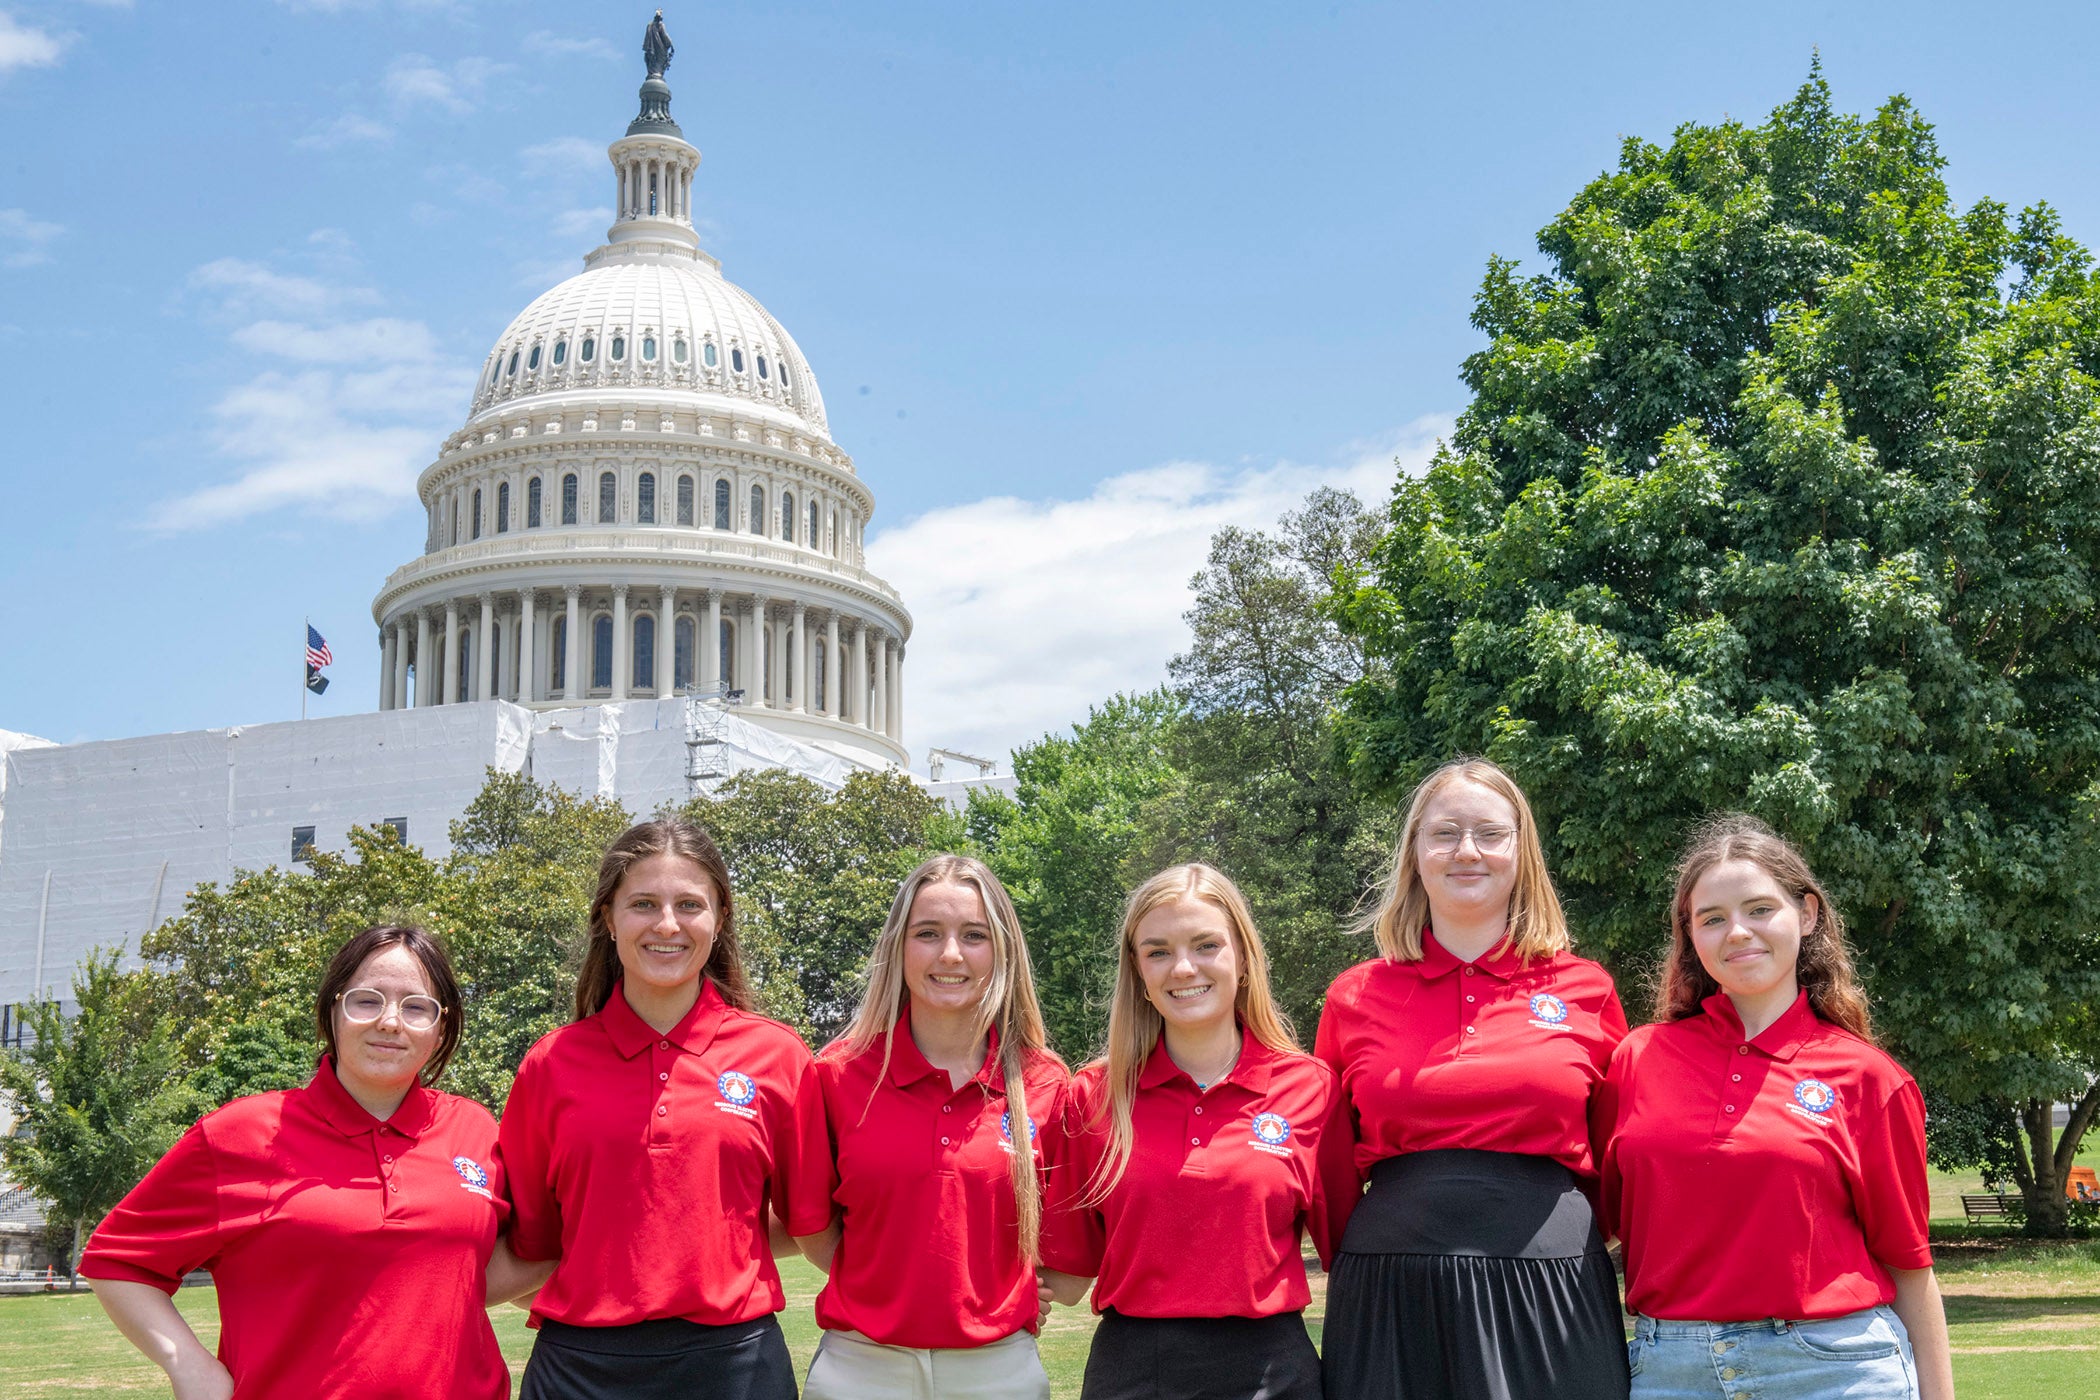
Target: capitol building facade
[642,573]
[646,500]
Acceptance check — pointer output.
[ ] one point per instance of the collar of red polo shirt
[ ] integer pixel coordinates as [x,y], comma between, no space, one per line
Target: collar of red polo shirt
[350,1117]
[1782,1040]
[1501,961]
[1251,1071]
[908,1063]
[631,1035]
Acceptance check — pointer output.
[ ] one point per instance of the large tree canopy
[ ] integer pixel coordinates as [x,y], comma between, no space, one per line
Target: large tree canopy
[1780,490]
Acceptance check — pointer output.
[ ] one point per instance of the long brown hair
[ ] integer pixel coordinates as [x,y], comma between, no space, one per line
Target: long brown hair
[1134,1023]
[601,957]
[1537,927]
[1008,1006]
[1824,969]
[437,971]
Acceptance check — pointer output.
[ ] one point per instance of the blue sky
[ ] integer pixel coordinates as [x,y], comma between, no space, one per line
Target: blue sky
[1081,282]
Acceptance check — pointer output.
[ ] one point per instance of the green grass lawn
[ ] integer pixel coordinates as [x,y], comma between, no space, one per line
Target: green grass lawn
[2025,1320]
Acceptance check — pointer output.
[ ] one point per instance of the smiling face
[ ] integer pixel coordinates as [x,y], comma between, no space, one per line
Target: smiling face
[663,917]
[1746,930]
[1466,852]
[947,949]
[1186,958]
[383,1057]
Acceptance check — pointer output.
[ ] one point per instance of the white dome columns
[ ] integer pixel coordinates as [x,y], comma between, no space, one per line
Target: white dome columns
[653,178]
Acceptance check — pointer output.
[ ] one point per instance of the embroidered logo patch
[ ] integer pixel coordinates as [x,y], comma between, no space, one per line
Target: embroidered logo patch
[472,1177]
[1549,1012]
[1006,1127]
[737,1090]
[1271,1129]
[1815,1096]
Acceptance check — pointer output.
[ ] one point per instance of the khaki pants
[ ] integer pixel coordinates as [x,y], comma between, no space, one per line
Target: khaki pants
[850,1367]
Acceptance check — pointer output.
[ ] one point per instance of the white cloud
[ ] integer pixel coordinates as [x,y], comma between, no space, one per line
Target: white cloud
[26,241]
[381,340]
[1027,612]
[24,47]
[248,288]
[565,155]
[577,223]
[544,41]
[343,418]
[346,130]
[415,80]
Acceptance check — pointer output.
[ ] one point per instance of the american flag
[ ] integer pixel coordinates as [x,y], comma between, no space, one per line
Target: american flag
[317,652]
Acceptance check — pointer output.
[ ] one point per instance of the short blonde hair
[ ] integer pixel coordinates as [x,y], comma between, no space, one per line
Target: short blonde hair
[1537,926]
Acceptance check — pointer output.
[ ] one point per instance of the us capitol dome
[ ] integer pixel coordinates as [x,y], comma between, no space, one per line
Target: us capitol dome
[645,499]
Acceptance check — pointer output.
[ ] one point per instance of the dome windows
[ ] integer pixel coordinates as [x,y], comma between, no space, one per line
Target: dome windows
[608,498]
[645,499]
[736,359]
[649,349]
[502,507]
[532,361]
[814,517]
[678,350]
[619,348]
[758,510]
[532,504]
[783,374]
[722,504]
[707,354]
[561,352]
[590,348]
[787,516]
[513,363]
[685,500]
[474,525]
[568,499]
[761,367]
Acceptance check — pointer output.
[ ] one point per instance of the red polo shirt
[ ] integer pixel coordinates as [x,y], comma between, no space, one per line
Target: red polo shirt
[1207,1217]
[350,1255]
[931,1251]
[645,1163]
[1491,1055]
[1782,1176]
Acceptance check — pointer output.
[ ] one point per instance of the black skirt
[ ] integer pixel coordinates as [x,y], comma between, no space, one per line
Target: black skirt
[1473,1276]
[1201,1358]
[666,1359]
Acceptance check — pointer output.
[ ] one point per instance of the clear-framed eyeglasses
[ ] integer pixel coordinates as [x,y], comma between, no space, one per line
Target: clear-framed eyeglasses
[364,1005]
[1491,839]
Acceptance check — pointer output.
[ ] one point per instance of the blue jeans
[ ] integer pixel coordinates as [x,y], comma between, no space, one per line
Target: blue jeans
[1860,1356]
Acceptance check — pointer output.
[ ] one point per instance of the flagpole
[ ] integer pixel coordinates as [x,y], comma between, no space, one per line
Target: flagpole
[302,668]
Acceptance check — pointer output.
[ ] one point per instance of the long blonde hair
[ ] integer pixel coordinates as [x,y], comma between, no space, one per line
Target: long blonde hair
[1824,967]
[1537,927]
[1008,1006]
[1134,1023]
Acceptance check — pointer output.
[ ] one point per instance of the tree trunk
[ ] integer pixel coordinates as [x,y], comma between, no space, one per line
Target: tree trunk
[2044,1188]
[73,1265]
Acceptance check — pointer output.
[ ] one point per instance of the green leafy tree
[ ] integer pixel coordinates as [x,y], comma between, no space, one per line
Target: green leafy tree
[97,1098]
[1779,490]
[814,873]
[1062,846]
[1259,790]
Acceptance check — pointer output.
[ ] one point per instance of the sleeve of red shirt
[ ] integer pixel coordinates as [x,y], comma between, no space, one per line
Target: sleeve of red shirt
[1340,1184]
[1611,1019]
[521,1141]
[1073,1235]
[1336,1186]
[166,1226]
[1891,1196]
[1604,1123]
[804,1175]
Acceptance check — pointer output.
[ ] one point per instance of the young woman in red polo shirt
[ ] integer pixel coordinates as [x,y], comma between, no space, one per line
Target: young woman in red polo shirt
[1765,1161]
[934,1096]
[1471,1269]
[1186,1163]
[348,1225]
[646,1142]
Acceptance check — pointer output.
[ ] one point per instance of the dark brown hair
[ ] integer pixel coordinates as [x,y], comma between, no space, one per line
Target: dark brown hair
[1825,966]
[601,958]
[437,971]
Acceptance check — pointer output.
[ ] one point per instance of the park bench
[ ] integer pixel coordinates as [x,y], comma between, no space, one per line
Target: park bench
[1987,1206]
